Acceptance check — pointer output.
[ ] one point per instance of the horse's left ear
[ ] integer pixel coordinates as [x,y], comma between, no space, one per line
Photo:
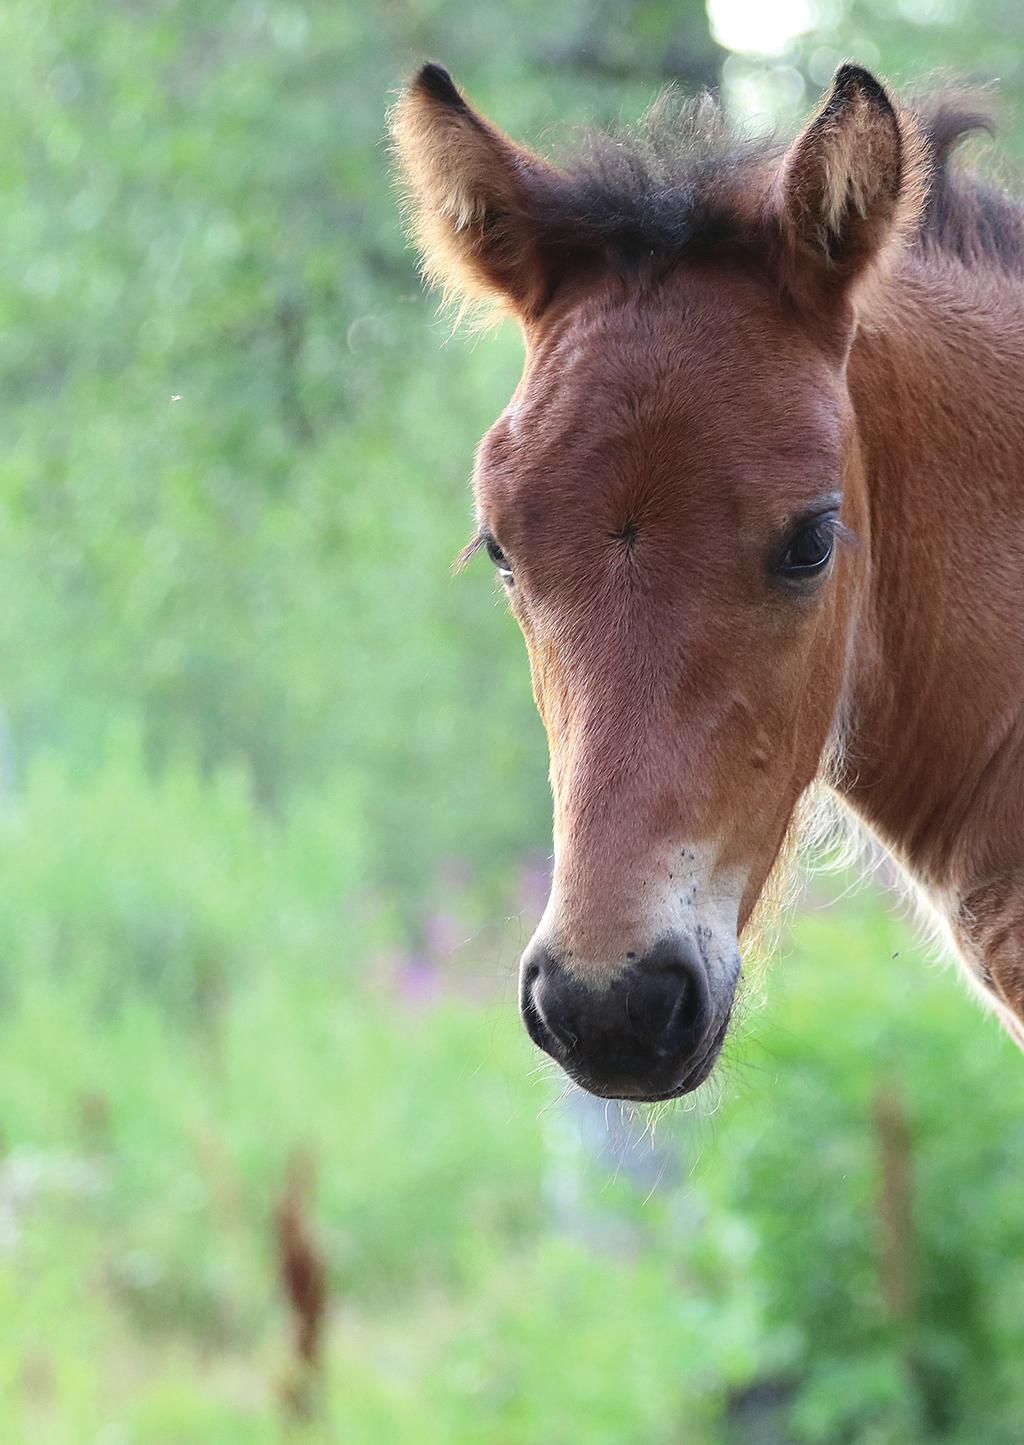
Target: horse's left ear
[850,182]
[473,197]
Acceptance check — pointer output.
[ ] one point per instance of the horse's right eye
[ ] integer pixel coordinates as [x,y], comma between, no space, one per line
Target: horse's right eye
[810,548]
[499,559]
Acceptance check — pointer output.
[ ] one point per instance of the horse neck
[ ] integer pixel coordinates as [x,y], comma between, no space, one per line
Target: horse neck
[934,704]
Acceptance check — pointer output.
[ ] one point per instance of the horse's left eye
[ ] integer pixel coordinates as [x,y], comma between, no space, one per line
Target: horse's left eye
[809,549]
[499,559]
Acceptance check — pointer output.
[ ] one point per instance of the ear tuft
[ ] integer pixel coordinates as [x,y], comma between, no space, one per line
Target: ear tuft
[853,180]
[435,81]
[850,78]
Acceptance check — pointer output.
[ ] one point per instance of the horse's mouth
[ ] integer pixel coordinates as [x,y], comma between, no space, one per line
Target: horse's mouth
[697,1072]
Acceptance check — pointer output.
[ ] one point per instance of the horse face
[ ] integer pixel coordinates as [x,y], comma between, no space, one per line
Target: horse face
[667,498]
[664,500]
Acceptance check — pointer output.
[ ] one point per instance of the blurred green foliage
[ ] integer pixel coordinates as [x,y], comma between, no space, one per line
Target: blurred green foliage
[268,773]
[182,1015]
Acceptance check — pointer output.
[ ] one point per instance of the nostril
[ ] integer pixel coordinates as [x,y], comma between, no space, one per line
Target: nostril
[528,1008]
[697,998]
[680,1009]
[538,1006]
[677,1006]
[547,1017]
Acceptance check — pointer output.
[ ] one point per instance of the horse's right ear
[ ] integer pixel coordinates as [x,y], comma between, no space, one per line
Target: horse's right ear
[471,192]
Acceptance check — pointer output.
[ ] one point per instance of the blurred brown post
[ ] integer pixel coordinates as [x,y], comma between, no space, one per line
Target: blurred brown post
[895,1202]
[303,1276]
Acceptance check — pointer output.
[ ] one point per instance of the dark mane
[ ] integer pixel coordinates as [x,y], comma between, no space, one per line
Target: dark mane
[675,186]
[965,215]
[681,184]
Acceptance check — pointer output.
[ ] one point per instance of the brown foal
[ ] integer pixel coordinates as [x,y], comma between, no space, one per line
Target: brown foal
[758,506]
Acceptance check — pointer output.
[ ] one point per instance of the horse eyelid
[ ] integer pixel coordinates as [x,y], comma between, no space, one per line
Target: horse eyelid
[825,509]
[827,516]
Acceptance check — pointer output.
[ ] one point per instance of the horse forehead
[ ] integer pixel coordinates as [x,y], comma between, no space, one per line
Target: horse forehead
[698,422]
[611,403]
[693,361]
[606,370]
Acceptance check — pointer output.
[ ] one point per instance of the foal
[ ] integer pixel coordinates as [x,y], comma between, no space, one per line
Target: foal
[757,506]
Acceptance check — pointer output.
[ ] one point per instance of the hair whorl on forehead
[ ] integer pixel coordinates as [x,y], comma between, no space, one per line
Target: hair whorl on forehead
[495,221]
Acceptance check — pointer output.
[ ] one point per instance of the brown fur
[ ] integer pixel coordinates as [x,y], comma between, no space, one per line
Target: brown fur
[712,349]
